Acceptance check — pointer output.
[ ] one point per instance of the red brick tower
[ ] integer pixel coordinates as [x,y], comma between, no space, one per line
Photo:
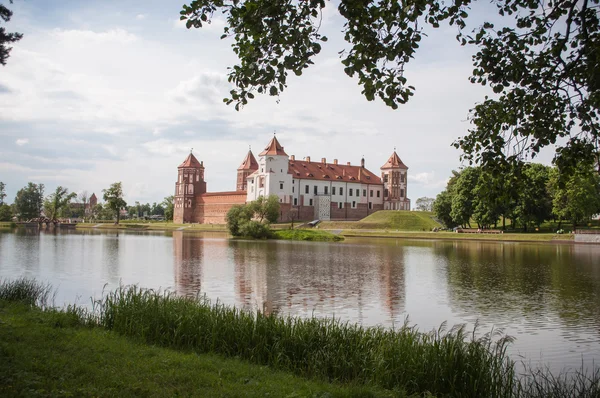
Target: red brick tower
[394,176]
[190,184]
[248,166]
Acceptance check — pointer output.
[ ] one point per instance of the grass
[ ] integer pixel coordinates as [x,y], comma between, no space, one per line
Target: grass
[306,234]
[48,353]
[401,220]
[506,237]
[373,360]
[154,226]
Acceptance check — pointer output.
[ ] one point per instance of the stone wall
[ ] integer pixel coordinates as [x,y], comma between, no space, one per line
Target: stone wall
[587,238]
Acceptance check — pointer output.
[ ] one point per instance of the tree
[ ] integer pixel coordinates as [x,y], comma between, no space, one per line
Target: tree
[541,61]
[5,37]
[29,201]
[578,198]
[169,207]
[2,192]
[5,212]
[58,202]
[534,204]
[442,208]
[424,204]
[84,199]
[253,219]
[113,197]
[157,209]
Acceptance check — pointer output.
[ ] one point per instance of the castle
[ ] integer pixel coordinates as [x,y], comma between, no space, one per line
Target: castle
[307,190]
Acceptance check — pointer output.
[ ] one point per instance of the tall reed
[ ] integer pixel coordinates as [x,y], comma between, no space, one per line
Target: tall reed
[443,362]
[27,291]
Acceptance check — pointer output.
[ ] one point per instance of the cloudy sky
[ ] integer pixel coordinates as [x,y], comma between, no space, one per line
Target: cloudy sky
[105,91]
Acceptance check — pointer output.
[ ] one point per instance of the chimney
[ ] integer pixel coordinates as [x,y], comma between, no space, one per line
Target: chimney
[323,160]
[334,161]
[362,163]
[348,163]
[293,157]
[308,159]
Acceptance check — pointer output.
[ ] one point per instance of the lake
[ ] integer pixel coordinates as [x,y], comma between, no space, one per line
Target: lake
[545,295]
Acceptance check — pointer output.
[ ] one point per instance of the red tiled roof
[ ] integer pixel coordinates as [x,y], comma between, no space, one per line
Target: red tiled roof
[331,172]
[274,148]
[394,162]
[190,161]
[249,162]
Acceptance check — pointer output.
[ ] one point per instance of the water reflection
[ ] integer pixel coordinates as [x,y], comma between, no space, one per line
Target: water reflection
[545,295]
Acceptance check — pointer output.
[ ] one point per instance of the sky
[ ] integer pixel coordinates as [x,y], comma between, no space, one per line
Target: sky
[104,91]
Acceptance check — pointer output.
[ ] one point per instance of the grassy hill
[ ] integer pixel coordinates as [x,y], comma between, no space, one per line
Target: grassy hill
[401,220]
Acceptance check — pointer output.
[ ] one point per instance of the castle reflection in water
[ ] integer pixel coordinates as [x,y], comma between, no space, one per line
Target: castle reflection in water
[298,278]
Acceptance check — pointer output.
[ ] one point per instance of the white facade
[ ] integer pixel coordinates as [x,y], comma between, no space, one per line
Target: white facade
[271,178]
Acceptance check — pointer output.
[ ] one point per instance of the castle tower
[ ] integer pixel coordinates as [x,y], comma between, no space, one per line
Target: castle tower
[248,166]
[394,176]
[190,183]
[272,176]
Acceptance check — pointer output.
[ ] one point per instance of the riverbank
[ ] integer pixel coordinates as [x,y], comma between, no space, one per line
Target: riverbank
[49,353]
[507,237]
[311,235]
[366,361]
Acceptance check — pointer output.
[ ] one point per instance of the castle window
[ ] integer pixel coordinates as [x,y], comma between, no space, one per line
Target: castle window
[292,189]
[350,192]
[281,185]
[340,205]
[310,202]
[402,193]
[378,193]
[402,177]
[365,193]
[326,190]
[371,193]
[333,190]
[385,193]
[341,191]
[261,183]
[370,205]
[306,189]
[385,178]
[295,201]
[354,205]
[315,190]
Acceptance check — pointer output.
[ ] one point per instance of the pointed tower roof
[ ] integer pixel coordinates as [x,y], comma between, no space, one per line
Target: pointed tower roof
[274,148]
[93,196]
[249,162]
[190,161]
[394,162]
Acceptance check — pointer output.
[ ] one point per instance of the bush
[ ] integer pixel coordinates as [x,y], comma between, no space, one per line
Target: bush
[253,219]
[255,229]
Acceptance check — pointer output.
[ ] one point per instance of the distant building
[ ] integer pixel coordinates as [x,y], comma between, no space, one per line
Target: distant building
[307,190]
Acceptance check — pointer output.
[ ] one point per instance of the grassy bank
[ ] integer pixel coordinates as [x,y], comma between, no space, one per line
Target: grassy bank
[401,220]
[153,226]
[402,360]
[507,237]
[306,234]
[49,353]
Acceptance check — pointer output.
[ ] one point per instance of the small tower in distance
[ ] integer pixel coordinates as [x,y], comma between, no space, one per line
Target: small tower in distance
[190,183]
[248,166]
[394,176]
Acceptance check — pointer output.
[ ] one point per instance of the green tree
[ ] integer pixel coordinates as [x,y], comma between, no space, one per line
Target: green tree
[463,198]
[29,201]
[157,209]
[253,219]
[577,197]
[486,199]
[5,37]
[442,208]
[58,202]
[424,204]
[2,192]
[534,204]
[5,212]
[540,58]
[113,197]
[169,207]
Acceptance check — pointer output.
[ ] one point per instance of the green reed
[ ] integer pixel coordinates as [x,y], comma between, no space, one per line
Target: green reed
[442,362]
[26,291]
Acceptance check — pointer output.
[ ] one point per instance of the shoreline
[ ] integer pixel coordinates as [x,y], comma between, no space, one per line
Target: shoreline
[546,238]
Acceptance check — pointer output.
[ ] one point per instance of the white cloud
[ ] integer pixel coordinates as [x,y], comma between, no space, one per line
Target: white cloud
[22,141]
[140,17]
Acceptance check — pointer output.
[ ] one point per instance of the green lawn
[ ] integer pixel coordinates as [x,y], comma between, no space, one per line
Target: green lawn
[47,354]
[511,236]
[306,234]
[401,220]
